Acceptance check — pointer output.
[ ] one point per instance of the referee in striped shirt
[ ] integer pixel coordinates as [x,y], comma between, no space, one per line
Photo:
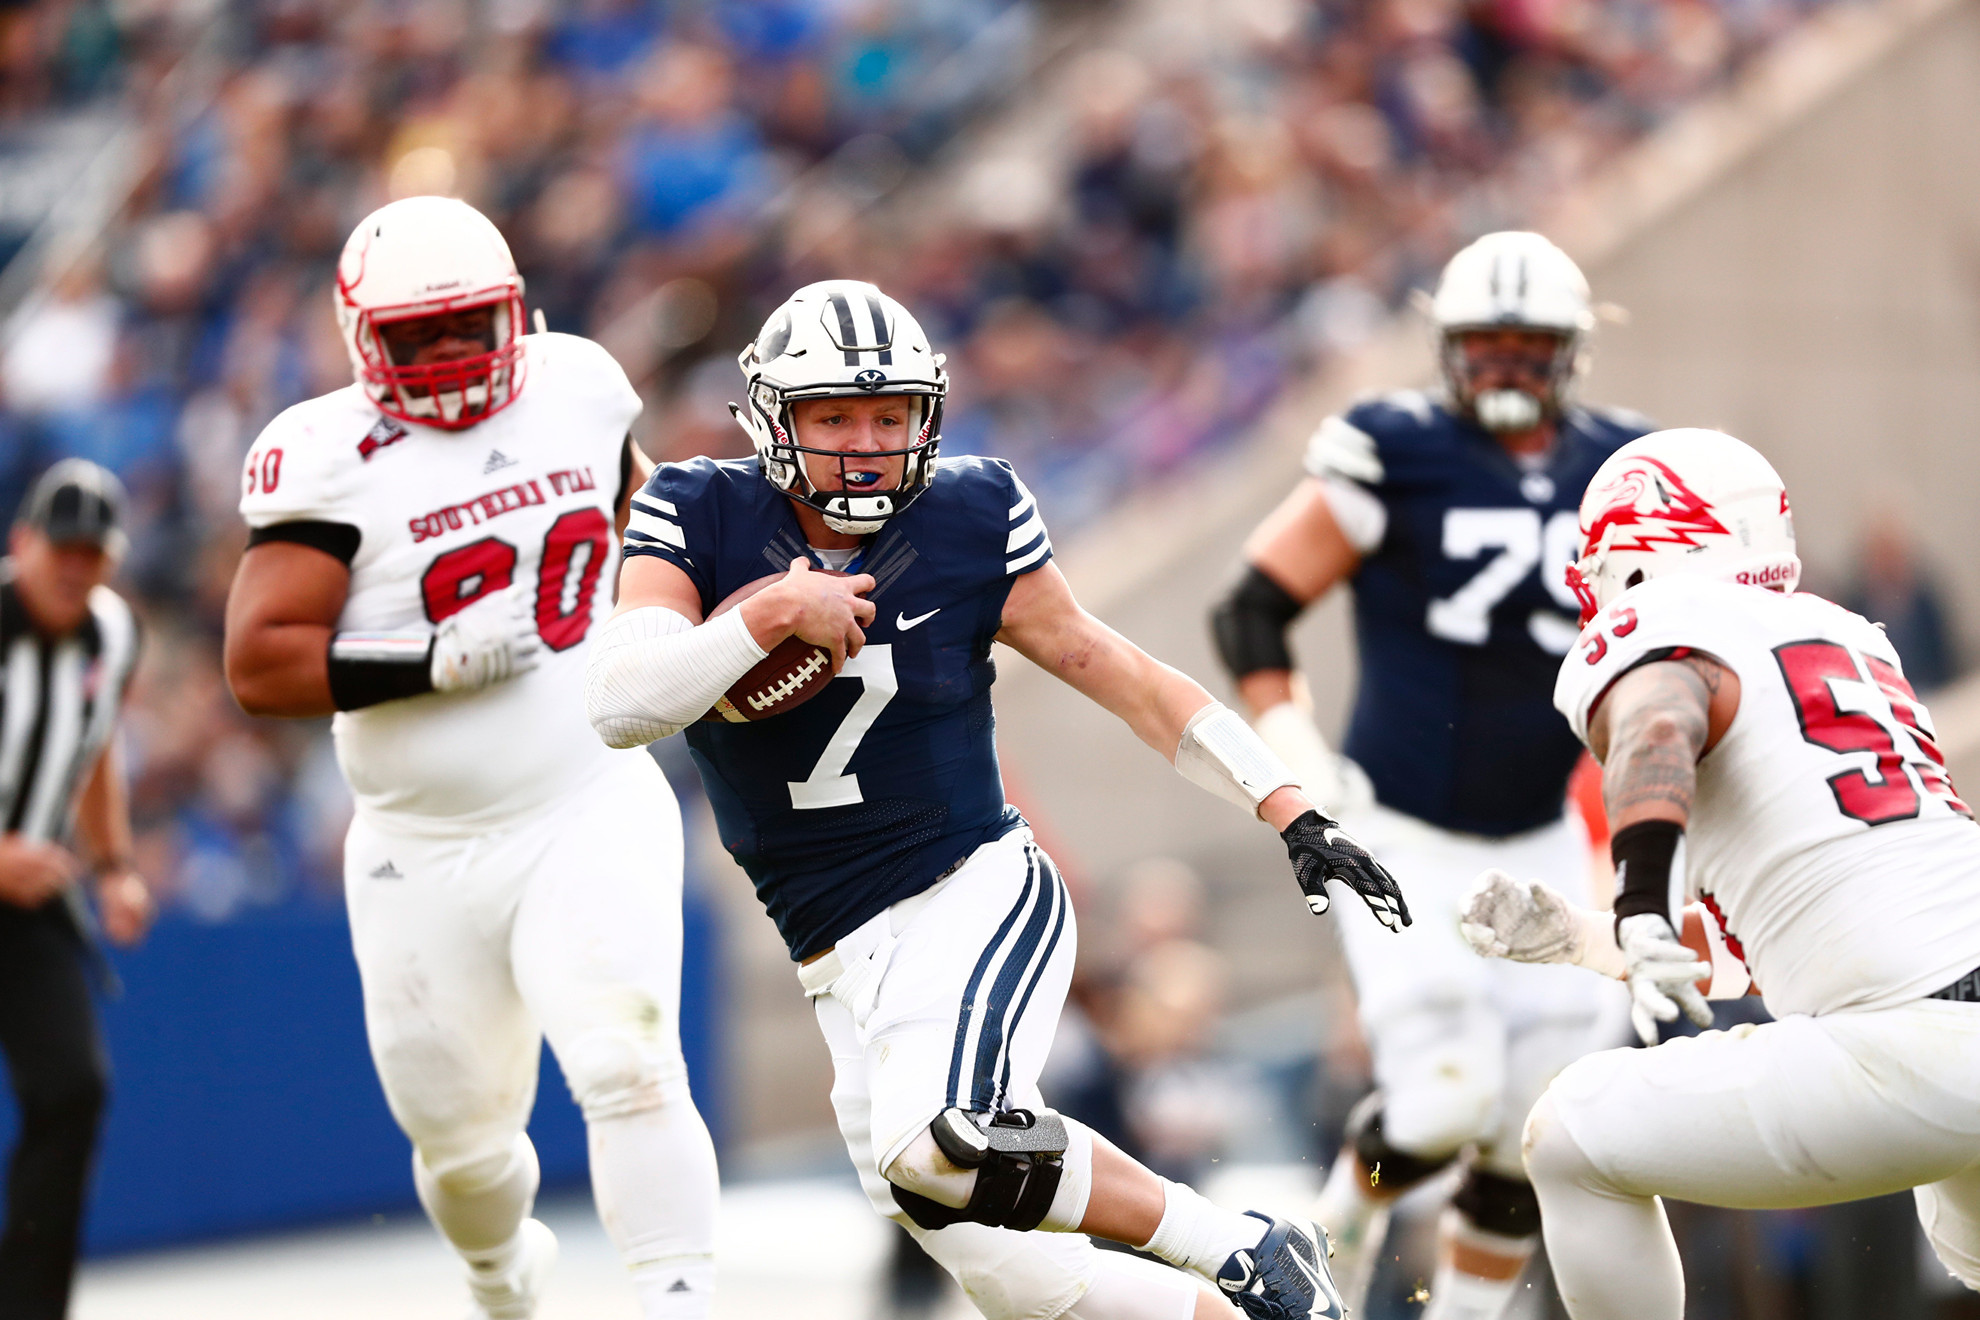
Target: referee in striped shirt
[67,647]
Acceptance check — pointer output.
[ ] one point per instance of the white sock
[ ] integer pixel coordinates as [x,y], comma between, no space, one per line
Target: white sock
[1358,1222]
[653,1177]
[1068,1210]
[479,1206]
[675,1290]
[1196,1235]
[1458,1295]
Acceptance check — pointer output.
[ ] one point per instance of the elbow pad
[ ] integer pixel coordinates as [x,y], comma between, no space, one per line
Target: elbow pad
[652,672]
[1250,624]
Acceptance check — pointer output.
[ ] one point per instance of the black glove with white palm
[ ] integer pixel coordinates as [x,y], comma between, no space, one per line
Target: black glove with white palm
[1321,851]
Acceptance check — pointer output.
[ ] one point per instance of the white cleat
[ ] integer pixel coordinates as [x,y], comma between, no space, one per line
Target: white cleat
[512,1294]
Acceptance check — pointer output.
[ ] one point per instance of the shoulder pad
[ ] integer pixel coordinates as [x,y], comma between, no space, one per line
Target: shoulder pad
[1342,450]
[304,464]
[1698,613]
[585,367]
[1395,407]
[992,499]
[1623,424]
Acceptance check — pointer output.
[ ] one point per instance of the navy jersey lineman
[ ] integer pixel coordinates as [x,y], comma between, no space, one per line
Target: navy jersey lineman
[1453,513]
[931,932]
[1461,609]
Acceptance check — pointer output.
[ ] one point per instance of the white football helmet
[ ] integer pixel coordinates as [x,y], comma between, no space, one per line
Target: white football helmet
[841,338]
[1683,501]
[1520,281]
[426,256]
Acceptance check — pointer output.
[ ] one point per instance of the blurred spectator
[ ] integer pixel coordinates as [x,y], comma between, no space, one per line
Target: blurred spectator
[1114,300]
[1893,589]
[1139,1054]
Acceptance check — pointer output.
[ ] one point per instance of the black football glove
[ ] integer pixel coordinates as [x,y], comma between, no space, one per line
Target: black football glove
[1321,851]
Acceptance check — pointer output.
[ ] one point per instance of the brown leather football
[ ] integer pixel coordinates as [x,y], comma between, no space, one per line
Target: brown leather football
[793,673]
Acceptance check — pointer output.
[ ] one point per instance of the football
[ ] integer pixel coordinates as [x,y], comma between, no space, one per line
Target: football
[793,673]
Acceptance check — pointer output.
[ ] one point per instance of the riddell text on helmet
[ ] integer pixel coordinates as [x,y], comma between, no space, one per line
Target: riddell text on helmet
[1770,576]
[784,687]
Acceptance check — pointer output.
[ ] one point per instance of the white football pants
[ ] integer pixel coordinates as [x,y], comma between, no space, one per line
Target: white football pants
[1800,1112]
[1462,1045]
[472,949]
[952,997]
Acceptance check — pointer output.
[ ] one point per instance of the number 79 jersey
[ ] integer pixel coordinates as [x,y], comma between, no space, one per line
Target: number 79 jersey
[1826,836]
[1461,607]
[439,519]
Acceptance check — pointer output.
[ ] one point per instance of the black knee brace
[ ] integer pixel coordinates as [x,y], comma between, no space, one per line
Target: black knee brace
[1018,1157]
[1393,1170]
[1498,1204]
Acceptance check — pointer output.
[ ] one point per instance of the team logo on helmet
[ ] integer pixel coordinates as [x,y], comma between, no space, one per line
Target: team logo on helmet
[1648,505]
[870,379]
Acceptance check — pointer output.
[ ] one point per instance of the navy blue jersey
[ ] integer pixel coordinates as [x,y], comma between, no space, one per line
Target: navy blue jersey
[869,791]
[1462,614]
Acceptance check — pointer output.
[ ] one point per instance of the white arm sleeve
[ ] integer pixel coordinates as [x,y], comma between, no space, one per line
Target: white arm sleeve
[652,672]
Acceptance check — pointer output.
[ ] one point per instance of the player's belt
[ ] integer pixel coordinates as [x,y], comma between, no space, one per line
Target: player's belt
[1966,990]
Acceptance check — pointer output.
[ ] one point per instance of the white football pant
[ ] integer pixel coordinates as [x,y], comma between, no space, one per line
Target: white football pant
[1800,1112]
[472,949]
[952,997]
[1463,1045]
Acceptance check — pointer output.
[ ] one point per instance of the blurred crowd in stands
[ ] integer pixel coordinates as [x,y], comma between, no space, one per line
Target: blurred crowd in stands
[1190,227]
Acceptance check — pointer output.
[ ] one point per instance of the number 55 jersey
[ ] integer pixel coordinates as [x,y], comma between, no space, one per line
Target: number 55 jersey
[1826,836]
[430,521]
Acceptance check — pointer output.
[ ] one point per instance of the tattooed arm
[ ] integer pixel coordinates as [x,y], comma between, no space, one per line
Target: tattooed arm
[1650,729]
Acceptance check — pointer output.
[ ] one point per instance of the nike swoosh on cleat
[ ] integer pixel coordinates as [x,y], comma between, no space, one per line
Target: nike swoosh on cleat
[902,622]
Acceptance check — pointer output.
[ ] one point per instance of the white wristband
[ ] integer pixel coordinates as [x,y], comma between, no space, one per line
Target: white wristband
[1595,944]
[1291,732]
[652,672]
[1219,752]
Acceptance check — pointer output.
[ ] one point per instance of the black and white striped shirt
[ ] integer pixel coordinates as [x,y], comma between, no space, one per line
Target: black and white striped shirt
[59,699]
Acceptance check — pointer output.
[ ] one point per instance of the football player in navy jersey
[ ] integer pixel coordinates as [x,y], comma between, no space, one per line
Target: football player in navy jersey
[932,933]
[1453,514]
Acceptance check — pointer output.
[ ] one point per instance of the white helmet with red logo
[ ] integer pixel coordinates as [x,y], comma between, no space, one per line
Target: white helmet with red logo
[428,256]
[1683,501]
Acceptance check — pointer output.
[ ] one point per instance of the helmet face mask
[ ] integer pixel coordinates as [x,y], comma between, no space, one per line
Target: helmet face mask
[1510,378]
[1685,501]
[842,339]
[421,258]
[1518,282]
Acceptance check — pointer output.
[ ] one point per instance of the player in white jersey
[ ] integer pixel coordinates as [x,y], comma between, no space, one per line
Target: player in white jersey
[1451,514]
[1763,754]
[430,548]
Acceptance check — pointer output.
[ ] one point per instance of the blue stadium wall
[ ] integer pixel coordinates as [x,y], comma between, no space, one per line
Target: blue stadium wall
[244,1097]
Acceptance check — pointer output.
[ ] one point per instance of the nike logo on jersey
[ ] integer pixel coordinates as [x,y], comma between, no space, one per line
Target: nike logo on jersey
[497,460]
[902,622]
[387,871]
